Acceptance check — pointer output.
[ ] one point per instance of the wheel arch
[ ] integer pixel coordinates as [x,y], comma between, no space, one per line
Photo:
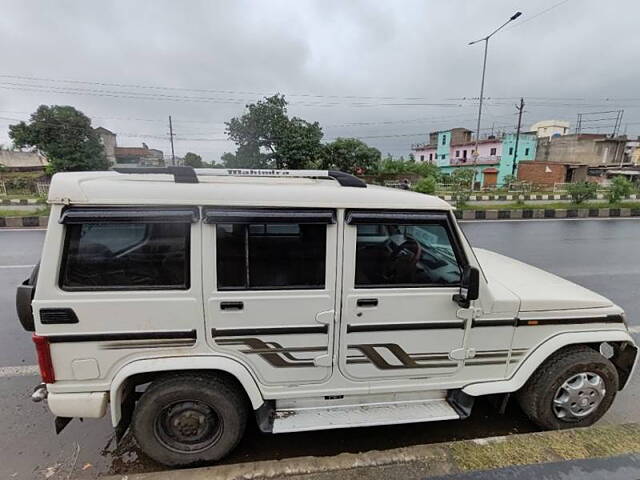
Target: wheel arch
[624,362]
[154,366]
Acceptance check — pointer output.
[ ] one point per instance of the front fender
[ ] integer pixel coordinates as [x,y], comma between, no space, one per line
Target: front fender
[541,353]
[181,363]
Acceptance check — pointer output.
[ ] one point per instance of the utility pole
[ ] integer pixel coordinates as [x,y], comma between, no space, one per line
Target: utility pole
[173,155]
[515,152]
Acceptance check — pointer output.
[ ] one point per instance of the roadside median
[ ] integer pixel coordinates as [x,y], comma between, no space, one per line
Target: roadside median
[424,461]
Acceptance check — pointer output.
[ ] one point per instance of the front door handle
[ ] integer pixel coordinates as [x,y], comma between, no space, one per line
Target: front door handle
[231,305]
[367,302]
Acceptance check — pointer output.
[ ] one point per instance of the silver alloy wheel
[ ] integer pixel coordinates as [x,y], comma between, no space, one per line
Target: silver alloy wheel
[579,396]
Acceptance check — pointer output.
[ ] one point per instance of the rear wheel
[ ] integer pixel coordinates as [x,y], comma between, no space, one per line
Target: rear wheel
[181,420]
[573,388]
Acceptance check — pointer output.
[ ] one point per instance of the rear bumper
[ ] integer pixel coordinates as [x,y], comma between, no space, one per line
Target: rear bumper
[83,405]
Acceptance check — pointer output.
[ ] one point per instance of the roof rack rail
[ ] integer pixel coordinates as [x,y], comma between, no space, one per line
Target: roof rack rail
[185,174]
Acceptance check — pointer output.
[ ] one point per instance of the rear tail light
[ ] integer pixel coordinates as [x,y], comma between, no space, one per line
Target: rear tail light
[44,358]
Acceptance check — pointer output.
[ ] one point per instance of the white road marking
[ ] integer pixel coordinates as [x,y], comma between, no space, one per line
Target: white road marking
[17,266]
[21,371]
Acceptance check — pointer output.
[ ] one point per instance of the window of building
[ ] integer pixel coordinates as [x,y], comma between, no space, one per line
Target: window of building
[510,150]
[443,156]
[132,256]
[405,256]
[270,256]
[464,154]
[493,151]
[422,158]
[430,156]
[526,151]
[457,153]
[444,140]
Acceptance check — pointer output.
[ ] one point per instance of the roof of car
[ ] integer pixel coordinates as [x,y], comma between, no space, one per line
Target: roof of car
[112,188]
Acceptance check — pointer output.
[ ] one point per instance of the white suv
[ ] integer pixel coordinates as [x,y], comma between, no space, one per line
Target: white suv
[187,302]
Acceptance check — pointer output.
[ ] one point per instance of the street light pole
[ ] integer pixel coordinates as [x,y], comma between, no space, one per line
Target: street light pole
[484,68]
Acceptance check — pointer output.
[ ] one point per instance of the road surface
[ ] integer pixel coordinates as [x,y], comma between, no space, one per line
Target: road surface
[602,255]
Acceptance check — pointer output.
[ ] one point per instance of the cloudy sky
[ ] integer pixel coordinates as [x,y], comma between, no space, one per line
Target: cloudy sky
[386,72]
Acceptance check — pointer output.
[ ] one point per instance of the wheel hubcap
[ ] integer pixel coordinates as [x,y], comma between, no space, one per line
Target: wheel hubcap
[579,396]
[189,426]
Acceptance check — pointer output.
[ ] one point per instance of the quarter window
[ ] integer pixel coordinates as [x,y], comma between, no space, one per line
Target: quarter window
[270,256]
[133,256]
[405,256]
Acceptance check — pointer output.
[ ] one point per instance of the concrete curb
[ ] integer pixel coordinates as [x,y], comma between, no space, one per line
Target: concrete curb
[436,459]
[526,196]
[16,201]
[528,213]
[23,222]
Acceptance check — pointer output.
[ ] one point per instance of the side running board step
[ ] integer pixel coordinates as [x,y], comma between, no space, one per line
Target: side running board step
[324,418]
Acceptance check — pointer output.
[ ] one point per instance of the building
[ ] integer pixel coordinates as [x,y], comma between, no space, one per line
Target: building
[548,174]
[139,156]
[108,140]
[591,149]
[128,156]
[17,161]
[550,128]
[452,149]
[632,152]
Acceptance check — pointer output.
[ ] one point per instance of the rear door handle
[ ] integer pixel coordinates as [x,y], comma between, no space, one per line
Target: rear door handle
[231,305]
[367,302]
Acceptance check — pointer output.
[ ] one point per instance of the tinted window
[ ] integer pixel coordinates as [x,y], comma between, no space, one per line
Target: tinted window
[405,255]
[126,256]
[270,256]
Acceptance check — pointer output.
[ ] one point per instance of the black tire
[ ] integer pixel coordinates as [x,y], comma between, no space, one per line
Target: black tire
[536,398]
[185,419]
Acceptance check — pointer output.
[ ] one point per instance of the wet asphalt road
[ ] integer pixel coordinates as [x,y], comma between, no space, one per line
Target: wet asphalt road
[602,255]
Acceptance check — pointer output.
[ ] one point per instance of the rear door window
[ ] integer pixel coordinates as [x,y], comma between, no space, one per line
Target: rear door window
[271,256]
[132,256]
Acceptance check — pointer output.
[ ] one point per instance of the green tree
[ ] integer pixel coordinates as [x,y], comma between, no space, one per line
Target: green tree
[582,191]
[63,135]
[620,188]
[193,160]
[267,137]
[349,155]
[426,185]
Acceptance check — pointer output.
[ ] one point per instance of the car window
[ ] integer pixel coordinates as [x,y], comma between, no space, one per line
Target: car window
[405,255]
[270,256]
[126,256]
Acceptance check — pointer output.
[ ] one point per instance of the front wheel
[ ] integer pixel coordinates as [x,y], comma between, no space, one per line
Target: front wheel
[187,419]
[573,388]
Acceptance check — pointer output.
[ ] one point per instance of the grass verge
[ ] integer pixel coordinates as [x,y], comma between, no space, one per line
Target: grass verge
[41,212]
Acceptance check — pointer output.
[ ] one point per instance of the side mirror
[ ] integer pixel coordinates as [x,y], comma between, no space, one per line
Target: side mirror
[469,287]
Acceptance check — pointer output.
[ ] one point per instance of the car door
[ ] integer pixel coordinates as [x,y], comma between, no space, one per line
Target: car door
[269,280]
[401,270]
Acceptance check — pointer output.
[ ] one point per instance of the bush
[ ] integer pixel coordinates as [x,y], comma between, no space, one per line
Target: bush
[462,182]
[620,188]
[582,191]
[426,185]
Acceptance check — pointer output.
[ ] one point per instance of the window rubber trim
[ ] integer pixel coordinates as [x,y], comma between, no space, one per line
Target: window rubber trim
[269,215]
[81,215]
[397,217]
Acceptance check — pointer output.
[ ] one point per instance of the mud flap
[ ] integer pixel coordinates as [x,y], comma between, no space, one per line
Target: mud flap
[128,404]
[61,422]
